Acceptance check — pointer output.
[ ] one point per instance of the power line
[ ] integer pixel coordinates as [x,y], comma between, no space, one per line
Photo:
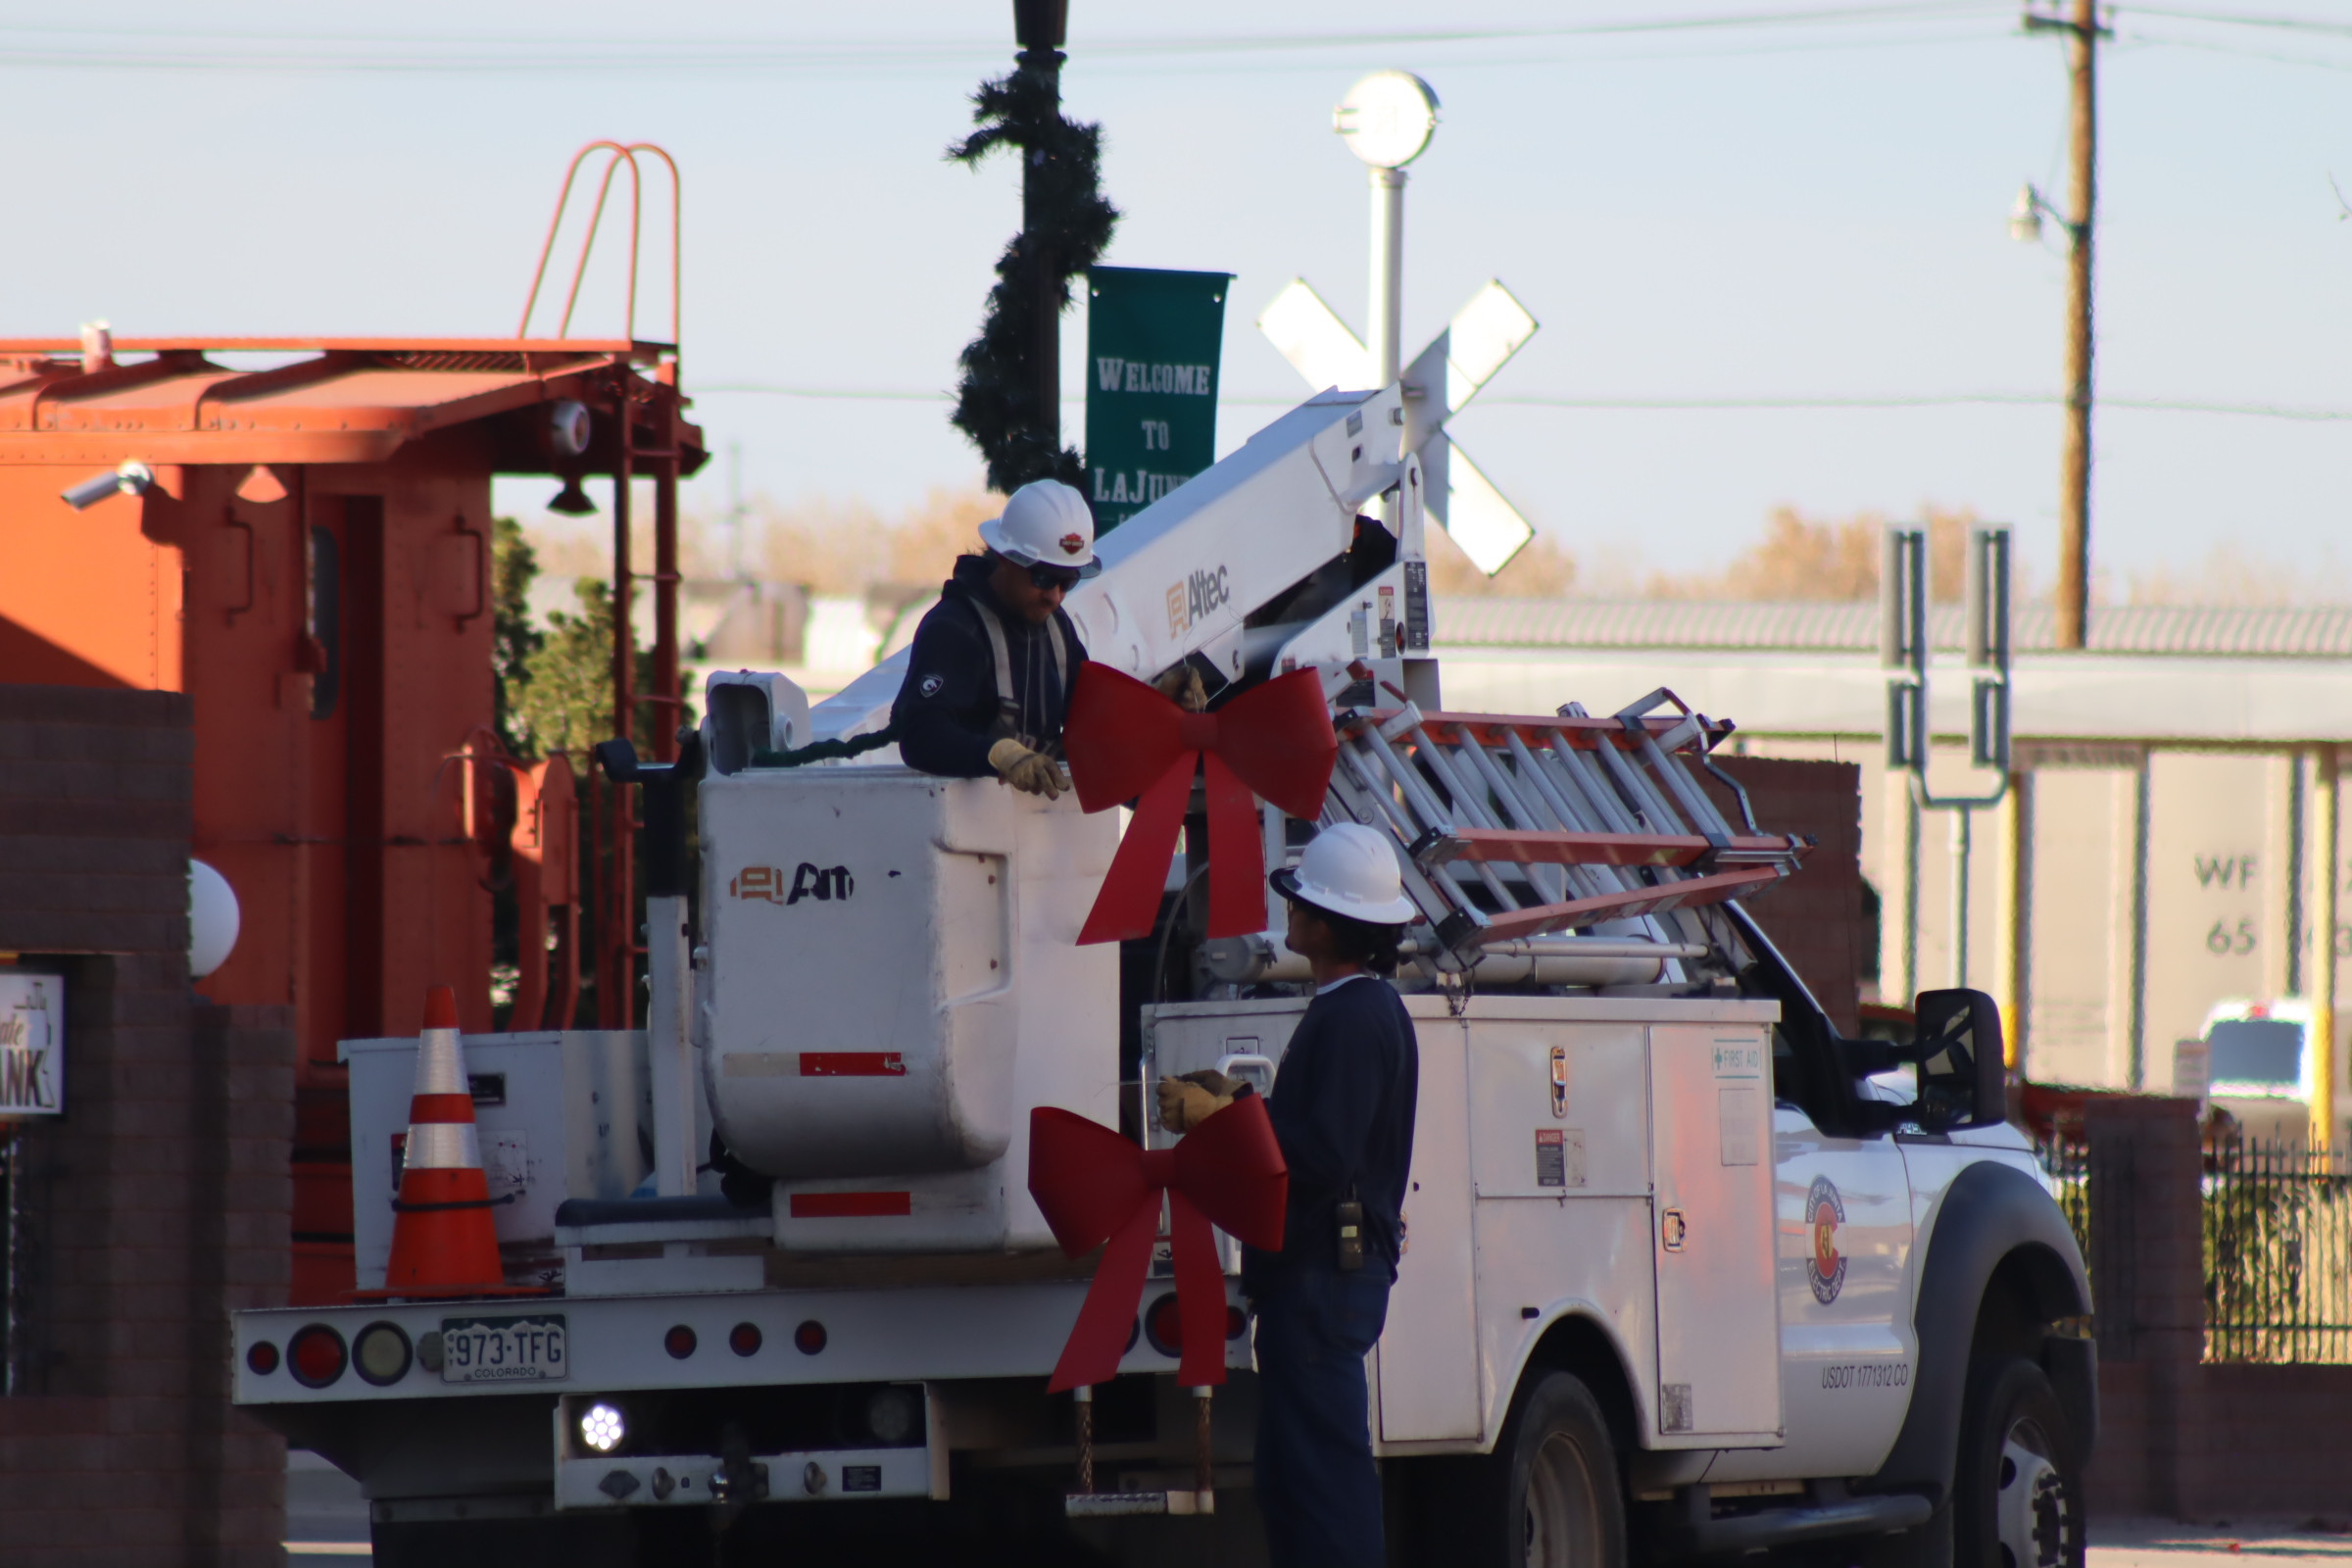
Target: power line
[1652,405]
[2243,19]
[2238,52]
[396,54]
[383,53]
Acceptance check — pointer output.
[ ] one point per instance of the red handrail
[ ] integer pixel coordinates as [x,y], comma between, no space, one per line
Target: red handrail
[620,154]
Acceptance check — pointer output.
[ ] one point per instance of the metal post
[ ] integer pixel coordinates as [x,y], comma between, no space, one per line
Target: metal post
[669,1049]
[1961,844]
[1388,273]
[1082,1411]
[1898,909]
[616,947]
[1204,1473]
[2128,951]
[2283,922]
[2013,917]
[2327,873]
[669,708]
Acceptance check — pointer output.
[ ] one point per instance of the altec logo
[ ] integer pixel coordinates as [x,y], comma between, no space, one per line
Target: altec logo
[768,884]
[1197,597]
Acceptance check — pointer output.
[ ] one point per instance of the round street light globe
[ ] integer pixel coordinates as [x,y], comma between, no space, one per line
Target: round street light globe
[1386,118]
[213,920]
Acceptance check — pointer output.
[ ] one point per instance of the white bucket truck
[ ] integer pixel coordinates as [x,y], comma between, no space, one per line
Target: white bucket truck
[1688,1275]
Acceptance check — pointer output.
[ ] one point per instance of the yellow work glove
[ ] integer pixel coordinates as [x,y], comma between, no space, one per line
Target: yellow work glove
[1180,683]
[1033,772]
[1186,1102]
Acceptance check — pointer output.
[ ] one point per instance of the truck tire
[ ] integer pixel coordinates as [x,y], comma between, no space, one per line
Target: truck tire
[2017,1493]
[1561,1503]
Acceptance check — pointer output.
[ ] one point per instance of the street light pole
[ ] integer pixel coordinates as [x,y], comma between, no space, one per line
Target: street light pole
[1388,273]
[1386,119]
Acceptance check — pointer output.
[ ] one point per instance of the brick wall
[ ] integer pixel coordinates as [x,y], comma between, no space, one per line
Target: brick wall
[2179,1437]
[159,1201]
[1815,916]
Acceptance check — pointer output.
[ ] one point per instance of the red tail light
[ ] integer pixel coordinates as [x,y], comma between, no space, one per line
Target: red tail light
[744,1338]
[679,1342]
[262,1358]
[809,1337]
[1163,1326]
[316,1355]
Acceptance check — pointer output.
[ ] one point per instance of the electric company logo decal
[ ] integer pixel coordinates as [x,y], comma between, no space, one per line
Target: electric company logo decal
[1825,1212]
[1197,598]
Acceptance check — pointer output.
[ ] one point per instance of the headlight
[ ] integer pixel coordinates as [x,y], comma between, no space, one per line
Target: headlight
[602,1428]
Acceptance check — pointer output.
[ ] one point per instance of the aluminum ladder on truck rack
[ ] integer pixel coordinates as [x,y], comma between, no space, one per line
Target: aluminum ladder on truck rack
[1596,818]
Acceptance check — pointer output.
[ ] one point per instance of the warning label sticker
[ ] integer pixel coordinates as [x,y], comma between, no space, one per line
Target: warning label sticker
[1560,1156]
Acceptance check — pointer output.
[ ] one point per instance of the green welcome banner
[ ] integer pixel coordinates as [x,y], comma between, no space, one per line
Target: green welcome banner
[1153,345]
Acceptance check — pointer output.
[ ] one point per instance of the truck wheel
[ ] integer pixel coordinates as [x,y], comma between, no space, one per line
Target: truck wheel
[1562,1504]
[2018,1491]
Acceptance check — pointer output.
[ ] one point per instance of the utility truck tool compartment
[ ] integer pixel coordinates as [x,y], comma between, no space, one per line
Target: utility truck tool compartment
[1599,1154]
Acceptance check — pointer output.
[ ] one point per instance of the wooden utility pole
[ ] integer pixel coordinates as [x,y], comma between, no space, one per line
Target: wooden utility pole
[2073,477]
[1041,26]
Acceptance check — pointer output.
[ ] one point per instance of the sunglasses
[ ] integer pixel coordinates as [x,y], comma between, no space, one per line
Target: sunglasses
[1048,578]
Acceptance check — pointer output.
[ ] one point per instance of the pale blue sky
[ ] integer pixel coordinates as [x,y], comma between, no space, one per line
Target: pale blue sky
[1793,209]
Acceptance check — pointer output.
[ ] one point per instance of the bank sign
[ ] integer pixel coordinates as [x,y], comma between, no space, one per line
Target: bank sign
[1153,351]
[33,1046]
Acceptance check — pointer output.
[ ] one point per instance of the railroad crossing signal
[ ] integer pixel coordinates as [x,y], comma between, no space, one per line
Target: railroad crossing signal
[1439,380]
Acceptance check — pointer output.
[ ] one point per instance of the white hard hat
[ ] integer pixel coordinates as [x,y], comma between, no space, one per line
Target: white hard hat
[1349,871]
[1045,524]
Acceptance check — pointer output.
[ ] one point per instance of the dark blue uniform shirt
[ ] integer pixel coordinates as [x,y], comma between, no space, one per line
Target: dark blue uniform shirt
[948,710]
[1343,1110]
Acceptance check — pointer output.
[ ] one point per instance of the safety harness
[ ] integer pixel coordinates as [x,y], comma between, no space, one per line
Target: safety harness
[1011,708]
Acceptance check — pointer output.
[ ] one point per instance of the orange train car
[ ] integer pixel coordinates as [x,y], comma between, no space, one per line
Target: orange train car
[297,535]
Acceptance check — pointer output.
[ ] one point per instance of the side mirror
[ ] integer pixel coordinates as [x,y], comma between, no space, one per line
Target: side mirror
[1962,1080]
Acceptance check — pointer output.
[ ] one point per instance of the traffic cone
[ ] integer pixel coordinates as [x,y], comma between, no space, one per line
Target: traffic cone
[444,1242]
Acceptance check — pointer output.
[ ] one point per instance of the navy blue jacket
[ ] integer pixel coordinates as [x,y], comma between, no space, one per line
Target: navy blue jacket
[1343,1110]
[946,709]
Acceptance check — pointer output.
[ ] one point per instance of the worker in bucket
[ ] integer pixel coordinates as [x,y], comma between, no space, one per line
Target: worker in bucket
[988,678]
[1343,1110]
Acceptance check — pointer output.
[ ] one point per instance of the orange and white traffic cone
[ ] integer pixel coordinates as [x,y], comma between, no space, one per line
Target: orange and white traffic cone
[444,1242]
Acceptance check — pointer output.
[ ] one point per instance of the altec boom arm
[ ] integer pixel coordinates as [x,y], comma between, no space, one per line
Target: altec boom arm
[1184,575]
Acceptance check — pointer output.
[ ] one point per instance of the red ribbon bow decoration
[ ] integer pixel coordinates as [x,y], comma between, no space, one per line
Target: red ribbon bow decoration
[1125,740]
[1094,1186]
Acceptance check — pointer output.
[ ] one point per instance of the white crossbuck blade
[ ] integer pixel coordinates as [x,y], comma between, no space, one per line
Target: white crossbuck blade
[1460,359]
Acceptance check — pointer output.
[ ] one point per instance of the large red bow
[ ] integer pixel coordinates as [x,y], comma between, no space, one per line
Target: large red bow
[1095,1186]
[1125,740]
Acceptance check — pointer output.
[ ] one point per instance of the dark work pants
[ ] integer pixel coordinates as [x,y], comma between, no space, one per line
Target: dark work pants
[1316,1484]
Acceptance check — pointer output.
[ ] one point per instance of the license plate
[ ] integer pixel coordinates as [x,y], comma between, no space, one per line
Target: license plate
[504,1349]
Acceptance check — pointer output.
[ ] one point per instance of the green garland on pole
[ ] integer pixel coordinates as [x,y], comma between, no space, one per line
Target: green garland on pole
[1067,226]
